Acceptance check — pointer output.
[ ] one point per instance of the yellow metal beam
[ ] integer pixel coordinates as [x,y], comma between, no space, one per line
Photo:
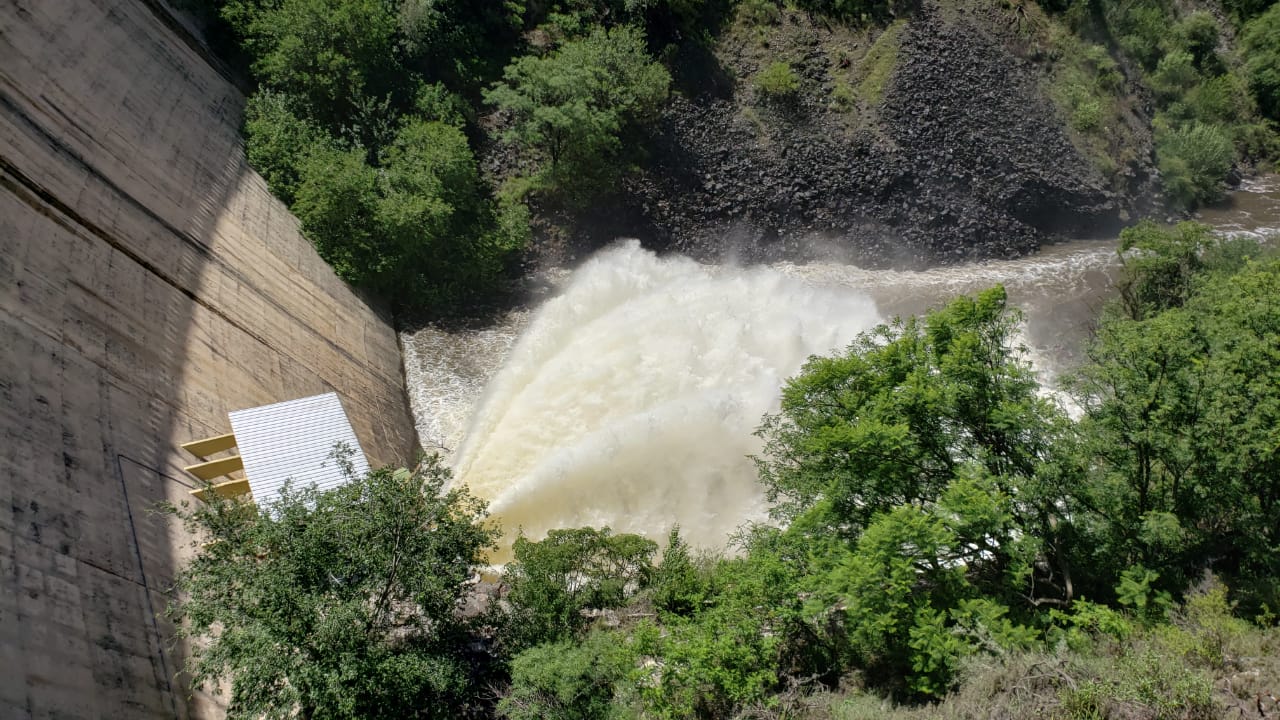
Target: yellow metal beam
[228,489]
[208,446]
[216,468]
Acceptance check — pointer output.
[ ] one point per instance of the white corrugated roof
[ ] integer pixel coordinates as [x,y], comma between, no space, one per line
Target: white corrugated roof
[294,439]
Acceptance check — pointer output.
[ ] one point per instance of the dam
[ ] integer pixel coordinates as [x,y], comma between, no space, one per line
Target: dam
[149,284]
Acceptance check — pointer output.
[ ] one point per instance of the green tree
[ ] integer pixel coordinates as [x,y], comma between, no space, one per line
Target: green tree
[568,679]
[892,420]
[331,57]
[335,604]
[925,586]
[572,107]
[748,635]
[778,80]
[555,579]
[277,142]
[337,202]
[1181,402]
[1261,45]
[1194,159]
[419,228]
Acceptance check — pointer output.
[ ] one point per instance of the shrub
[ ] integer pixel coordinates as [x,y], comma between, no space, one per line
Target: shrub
[1087,116]
[1194,160]
[760,12]
[1261,45]
[778,81]
[678,585]
[843,97]
[1175,74]
[572,107]
[277,142]
[855,11]
[339,603]
[1197,34]
[568,680]
[553,580]
[1223,100]
[419,228]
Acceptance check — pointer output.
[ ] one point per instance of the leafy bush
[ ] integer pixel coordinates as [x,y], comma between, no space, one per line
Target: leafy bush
[1174,435]
[1194,160]
[919,590]
[328,56]
[339,603]
[1140,28]
[572,107]
[778,81]
[277,142]
[731,653]
[1175,75]
[1261,45]
[418,229]
[760,12]
[895,418]
[678,585]
[568,680]
[554,580]
[1197,35]
[1087,116]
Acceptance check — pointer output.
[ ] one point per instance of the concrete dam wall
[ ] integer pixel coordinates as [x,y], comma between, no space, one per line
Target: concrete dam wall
[149,283]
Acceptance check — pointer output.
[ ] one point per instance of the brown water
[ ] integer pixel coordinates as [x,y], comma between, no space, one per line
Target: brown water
[629,398]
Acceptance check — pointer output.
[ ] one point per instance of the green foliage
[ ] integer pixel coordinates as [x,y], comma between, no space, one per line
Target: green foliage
[897,417]
[923,587]
[1194,160]
[733,651]
[1178,404]
[329,56]
[568,680]
[336,201]
[1261,45]
[369,154]
[418,228]
[1175,75]
[678,585]
[571,107]
[554,580]
[1139,27]
[277,142]
[1137,591]
[778,81]
[337,604]
[879,64]
[1160,266]
[760,12]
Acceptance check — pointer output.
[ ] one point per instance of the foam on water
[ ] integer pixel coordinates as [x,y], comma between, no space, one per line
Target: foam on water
[630,399]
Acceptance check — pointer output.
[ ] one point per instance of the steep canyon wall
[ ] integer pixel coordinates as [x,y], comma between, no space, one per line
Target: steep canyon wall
[149,283]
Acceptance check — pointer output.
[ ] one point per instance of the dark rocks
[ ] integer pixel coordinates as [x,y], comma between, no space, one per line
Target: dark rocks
[966,160]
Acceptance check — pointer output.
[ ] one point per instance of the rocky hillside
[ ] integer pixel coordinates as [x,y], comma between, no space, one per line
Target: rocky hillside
[931,140]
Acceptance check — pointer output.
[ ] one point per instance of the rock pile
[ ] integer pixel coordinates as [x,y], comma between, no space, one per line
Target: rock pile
[965,159]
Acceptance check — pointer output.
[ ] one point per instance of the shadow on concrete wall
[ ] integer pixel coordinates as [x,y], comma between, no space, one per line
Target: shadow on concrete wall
[148,284]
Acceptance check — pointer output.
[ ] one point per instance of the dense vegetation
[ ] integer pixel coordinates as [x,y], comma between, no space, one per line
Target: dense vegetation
[369,115]
[942,530]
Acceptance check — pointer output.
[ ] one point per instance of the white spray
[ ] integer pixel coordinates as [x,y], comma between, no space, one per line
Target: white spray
[631,398]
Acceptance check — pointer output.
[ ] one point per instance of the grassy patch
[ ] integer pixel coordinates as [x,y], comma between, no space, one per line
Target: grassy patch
[877,67]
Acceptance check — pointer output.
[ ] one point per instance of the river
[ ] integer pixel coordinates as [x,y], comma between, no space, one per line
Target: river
[628,397]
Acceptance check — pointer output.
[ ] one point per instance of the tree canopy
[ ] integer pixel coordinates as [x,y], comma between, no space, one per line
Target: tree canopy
[573,106]
[336,604]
